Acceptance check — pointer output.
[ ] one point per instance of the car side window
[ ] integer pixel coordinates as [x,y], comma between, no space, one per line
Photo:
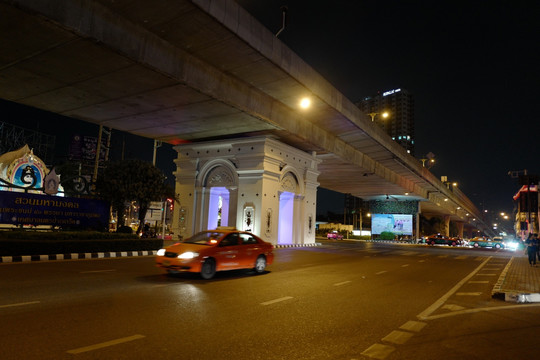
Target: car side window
[229,240]
[247,239]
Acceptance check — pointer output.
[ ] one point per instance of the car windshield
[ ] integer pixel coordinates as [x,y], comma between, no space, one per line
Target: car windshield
[204,238]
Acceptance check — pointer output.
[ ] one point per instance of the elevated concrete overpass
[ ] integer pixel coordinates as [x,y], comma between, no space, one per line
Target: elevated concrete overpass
[188,71]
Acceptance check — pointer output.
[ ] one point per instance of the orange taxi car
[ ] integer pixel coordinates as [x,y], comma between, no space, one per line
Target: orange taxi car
[216,250]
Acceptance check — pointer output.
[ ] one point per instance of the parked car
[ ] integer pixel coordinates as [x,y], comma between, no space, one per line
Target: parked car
[443,240]
[485,242]
[216,250]
[334,235]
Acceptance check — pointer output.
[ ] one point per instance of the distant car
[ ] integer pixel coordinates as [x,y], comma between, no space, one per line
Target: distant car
[513,244]
[443,240]
[485,242]
[216,250]
[334,235]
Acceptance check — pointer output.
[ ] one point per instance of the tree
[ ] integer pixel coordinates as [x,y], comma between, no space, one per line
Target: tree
[132,180]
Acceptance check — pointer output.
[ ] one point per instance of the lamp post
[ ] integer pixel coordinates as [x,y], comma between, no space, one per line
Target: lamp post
[384,115]
[430,158]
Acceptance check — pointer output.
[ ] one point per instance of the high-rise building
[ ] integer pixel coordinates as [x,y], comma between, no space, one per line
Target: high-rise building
[399,124]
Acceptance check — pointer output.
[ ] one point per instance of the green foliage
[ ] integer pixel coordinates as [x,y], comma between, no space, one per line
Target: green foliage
[132,180]
[124,230]
[393,207]
[22,242]
[387,235]
[68,171]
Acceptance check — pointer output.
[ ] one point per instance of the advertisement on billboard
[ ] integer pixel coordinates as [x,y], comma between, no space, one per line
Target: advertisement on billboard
[399,224]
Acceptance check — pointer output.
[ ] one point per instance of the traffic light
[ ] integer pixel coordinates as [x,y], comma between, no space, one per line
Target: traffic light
[171,203]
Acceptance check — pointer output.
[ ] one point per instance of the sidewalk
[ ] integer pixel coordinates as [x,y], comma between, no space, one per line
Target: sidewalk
[519,281]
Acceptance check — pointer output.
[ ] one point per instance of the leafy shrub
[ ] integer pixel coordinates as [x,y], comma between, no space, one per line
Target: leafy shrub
[387,235]
[125,230]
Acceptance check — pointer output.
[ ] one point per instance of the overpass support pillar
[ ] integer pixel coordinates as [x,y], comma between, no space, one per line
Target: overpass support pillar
[254,184]
[460,225]
[446,225]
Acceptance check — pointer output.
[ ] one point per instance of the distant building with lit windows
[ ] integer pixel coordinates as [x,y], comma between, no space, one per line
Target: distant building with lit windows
[399,124]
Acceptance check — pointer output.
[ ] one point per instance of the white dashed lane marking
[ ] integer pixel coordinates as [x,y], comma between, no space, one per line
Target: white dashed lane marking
[414,326]
[398,337]
[97,271]
[105,344]
[20,304]
[342,283]
[378,351]
[277,300]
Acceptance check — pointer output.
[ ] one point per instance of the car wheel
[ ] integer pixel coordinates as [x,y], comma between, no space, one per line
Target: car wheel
[208,269]
[432,242]
[260,264]
[497,246]
[476,245]
[454,243]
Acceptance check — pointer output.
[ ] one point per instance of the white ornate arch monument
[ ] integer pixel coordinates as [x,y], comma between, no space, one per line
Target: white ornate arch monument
[254,184]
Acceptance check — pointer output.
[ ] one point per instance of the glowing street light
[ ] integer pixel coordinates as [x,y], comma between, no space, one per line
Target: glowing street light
[384,115]
[305,103]
[430,158]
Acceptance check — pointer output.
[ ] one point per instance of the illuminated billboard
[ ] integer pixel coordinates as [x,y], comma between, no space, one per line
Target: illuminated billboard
[399,224]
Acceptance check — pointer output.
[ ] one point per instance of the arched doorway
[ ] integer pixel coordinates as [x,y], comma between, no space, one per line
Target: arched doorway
[218,207]
[286,217]
[218,196]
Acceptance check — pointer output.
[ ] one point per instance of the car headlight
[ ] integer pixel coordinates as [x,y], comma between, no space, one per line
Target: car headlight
[160,252]
[188,255]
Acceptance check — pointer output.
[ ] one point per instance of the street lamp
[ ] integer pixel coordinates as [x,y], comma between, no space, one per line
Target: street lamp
[430,158]
[384,115]
[305,103]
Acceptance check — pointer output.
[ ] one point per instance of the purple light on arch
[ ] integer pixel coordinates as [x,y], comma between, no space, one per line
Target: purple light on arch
[213,207]
[286,212]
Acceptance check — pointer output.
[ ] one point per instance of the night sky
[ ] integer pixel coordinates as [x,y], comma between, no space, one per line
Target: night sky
[472,67]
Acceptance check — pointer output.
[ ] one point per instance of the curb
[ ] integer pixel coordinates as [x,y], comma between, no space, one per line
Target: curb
[105,255]
[512,295]
[75,256]
[296,245]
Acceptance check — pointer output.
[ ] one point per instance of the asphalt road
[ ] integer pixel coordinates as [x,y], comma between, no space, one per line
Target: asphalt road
[341,300]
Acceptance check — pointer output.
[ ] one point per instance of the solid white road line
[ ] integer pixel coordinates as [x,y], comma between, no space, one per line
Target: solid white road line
[105,344]
[381,272]
[477,310]
[277,300]
[20,304]
[437,304]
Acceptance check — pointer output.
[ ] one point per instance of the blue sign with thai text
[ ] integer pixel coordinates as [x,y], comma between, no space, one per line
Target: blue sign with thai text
[33,209]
